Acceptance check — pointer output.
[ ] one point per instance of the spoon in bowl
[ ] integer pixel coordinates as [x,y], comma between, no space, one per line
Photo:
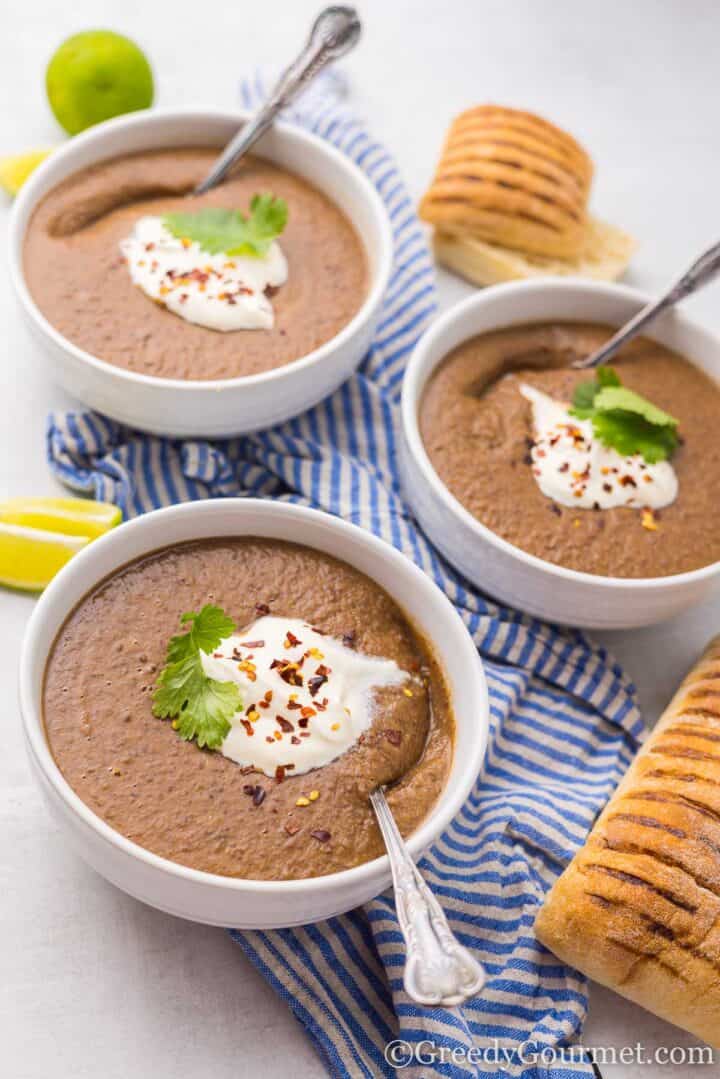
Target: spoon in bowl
[702,271]
[334,33]
[439,971]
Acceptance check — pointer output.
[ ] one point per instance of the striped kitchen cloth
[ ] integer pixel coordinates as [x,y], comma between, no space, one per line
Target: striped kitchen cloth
[564,719]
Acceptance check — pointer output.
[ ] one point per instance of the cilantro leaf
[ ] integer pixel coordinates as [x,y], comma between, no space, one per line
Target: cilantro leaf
[583,401]
[608,376]
[201,706]
[218,230]
[208,628]
[624,420]
[630,433]
[619,398]
[586,392]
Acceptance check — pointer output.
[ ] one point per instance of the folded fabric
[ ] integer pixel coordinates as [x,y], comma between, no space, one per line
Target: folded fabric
[564,719]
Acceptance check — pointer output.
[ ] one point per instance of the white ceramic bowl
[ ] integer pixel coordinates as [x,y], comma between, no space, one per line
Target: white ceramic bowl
[205,897]
[494,565]
[215,408]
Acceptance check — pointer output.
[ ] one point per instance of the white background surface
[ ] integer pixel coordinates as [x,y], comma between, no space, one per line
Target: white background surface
[92,983]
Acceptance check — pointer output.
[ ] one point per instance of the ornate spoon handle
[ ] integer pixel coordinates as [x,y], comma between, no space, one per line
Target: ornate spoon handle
[335,31]
[439,971]
[702,271]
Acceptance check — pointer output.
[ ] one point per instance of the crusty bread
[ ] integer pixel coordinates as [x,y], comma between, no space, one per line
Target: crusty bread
[605,255]
[511,178]
[638,908]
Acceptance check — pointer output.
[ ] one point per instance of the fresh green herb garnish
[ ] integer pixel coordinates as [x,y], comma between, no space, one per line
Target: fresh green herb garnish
[201,707]
[230,231]
[623,420]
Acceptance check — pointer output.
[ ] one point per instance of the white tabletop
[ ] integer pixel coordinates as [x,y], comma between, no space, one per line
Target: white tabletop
[94,983]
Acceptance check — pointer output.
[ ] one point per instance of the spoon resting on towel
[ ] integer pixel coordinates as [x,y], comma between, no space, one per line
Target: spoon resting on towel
[439,971]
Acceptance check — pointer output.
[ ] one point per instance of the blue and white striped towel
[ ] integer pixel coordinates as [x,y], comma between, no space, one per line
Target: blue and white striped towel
[564,720]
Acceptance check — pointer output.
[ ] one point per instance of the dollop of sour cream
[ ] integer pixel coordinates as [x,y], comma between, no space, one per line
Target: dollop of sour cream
[307,697]
[223,292]
[572,467]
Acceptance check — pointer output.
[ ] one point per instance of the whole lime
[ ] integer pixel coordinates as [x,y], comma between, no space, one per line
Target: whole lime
[96,75]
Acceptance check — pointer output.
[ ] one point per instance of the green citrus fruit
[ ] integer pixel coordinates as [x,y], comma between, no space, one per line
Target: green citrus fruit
[96,75]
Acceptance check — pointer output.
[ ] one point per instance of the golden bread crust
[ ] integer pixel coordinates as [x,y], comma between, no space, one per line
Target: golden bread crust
[638,908]
[511,178]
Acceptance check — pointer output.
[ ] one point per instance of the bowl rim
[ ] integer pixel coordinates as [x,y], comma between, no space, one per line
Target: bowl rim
[30,195]
[414,385]
[447,806]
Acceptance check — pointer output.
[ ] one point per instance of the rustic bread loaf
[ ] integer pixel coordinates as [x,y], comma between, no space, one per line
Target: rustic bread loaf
[638,908]
[511,178]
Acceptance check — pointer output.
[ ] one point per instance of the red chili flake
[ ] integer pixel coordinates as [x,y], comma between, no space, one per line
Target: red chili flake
[262,608]
[280,772]
[291,641]
[295,741]
[304,734]
[248,726]
[294,705]
[217,655]
[316,683]
[564,467]
[627,481]
[183,297]
[321,835]
[259,795]
[394,737]
[292,676]
[540,453]
[307,712]
[252,644]
[348,639]
[607,487]
[284,724]
[303,722]
[315,629]
[290,828]
[269,739]
[150,246]
[321,705]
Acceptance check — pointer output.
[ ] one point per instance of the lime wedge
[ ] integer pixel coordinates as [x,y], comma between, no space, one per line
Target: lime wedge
[39,535]
[14,171]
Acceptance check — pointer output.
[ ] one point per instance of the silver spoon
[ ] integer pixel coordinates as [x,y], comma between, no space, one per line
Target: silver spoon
[439,971]
[335,31]
[702,271]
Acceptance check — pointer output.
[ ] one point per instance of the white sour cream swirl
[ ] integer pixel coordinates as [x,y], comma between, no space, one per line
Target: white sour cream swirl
[572,467]
[222,292]
[302,716]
